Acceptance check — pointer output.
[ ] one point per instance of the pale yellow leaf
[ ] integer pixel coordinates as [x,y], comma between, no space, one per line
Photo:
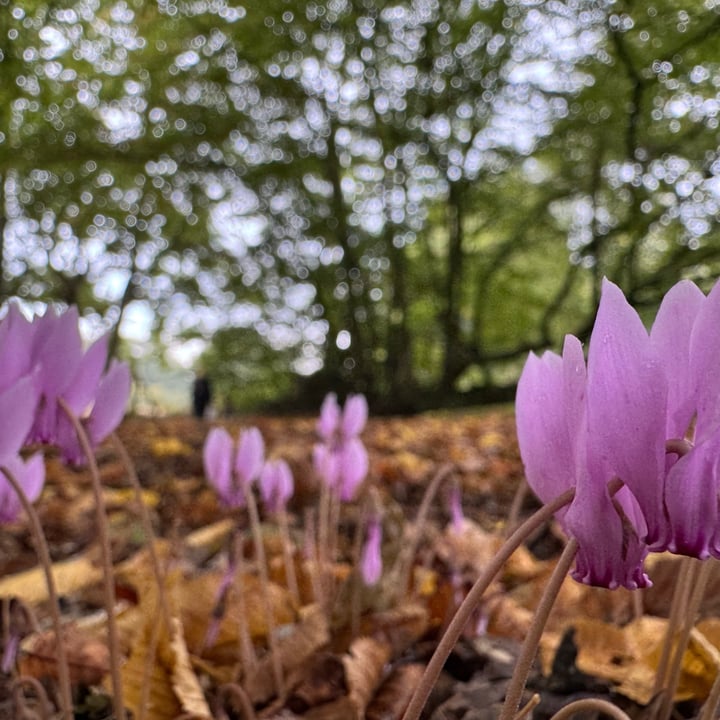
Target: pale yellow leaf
[71,576]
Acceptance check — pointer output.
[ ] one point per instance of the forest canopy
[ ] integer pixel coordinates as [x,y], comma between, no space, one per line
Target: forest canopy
[396,198]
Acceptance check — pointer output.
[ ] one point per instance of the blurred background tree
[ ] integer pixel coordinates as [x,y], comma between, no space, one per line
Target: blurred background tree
[395,198]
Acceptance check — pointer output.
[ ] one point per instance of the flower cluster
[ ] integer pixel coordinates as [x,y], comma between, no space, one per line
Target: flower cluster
[233,468]
[341,459]
[43,364]
[636,432]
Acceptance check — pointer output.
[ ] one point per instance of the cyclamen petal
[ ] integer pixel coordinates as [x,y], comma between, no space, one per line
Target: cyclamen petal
[326,463]
[354,465]
[250,456]
[546,448]
[457,518]
[610,554]
[355,415]
[371,559]
[110,402]
[16,332]
[670,337]
[217,461]
[626,401]
[330,415]
[692,485]
[80,394]
[58,349]
[276,485]
[30,475]
[704,354]
[17,412]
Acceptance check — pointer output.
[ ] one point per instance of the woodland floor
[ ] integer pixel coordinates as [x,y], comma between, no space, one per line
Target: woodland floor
[343,662]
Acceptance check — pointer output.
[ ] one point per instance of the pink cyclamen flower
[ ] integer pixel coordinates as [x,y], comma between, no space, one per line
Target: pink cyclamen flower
[276,485]
[563,444]
[371,559]
[605,429]
[341,459]
[17,411]
[231,471]
[250,456]
[50,348]
[457,518]
[354,417]
[330,417]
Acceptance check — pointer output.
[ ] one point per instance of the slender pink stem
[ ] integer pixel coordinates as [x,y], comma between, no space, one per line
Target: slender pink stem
[404,563]
[288,556]
[698,578]
[147,526]
[680,596]
[709,709]
[43,712]
[461,617]
[590,704]
[108,582]
[524,662]
[41,547]
[265,583]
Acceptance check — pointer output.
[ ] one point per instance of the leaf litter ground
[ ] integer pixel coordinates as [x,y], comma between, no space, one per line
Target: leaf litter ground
[363,656]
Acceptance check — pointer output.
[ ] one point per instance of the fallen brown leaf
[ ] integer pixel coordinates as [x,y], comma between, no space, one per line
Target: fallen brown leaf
[364,668]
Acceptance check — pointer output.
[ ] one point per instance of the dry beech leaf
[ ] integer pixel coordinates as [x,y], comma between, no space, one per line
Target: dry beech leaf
[401,627]
[364,667]
[701,661]
[122,497]
[618,654]
[159,664]
[473,548]
[184,681]
[71,576]
[393,697]
[209,540]
[506,617]
[630,655]
[198,596]
[168,446]
[87,656]
[300,643]
[341,708]
[319,680]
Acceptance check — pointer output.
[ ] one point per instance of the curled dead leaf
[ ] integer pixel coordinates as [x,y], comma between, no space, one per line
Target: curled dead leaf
[87,656]
[393,697]
[364,667]
[295,647]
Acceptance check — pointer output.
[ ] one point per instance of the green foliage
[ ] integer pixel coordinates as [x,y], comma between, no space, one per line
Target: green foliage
[408,196]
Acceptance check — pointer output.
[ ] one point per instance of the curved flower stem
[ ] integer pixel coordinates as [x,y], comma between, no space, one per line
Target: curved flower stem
[66,702]
[592,704]
[709,709]
[677,608]
[147,525]
[108,582]
[530,705]
[245,644]
[516,506]
[288,556]
[404,562]
[461,617]
[45,709]
[700,573]
[265,584]
[233,691]
[532,639]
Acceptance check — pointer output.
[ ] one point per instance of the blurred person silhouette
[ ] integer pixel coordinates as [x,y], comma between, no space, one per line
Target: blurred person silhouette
[201,394]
